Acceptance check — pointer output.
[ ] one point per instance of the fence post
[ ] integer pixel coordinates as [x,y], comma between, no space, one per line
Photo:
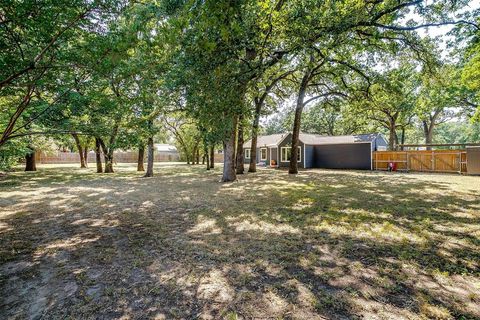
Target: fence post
[408,161]
[459,156]
[433,160]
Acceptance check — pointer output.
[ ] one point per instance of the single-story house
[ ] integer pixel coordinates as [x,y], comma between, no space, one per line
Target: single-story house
[317,151]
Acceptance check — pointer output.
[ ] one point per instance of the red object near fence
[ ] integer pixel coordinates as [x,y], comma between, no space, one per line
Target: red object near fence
[392,166]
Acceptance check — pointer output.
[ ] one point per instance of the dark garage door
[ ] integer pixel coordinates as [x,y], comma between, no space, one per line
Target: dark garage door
[342,156]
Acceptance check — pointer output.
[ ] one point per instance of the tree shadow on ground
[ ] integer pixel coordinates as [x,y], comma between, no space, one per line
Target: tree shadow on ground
[181,245]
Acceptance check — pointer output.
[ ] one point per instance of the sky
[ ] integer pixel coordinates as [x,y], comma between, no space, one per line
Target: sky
[441,31]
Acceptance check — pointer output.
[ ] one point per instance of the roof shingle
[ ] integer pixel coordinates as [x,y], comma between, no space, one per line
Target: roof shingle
[313,139]
[272,139]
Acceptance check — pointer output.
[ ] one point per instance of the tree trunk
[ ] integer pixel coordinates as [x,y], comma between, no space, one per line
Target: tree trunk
[396,140]
[293,169]
[259,101]
[111,143]
[141,153]
[206,156]
[108,156]
[392,138]
[150,159]
[108,163]
[240,158]
[80,150]
[253,148]
[187,154]
[428,133]
[198,155]
[85,155]
[297,122]
[30,163]
[253,153]
[194,154]
[402,138]
[98,156]
[229,153]
[212,157]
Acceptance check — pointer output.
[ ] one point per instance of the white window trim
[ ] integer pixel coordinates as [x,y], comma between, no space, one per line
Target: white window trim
[299,154]
[266,154]
[247,153]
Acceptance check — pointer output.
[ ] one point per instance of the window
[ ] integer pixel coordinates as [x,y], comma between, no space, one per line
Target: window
[287,152]
[263,154]
[247,153]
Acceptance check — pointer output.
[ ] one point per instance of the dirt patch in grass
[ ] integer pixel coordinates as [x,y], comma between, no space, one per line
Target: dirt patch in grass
[322,244]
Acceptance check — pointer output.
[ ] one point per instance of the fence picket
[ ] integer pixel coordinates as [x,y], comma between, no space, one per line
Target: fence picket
[417,160]
[119,157]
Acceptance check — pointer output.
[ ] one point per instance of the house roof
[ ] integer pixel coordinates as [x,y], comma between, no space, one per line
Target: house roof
[270,140]
[313,139]
[318,139]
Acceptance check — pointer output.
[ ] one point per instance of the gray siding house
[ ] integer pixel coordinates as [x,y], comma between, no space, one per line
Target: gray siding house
[316,151]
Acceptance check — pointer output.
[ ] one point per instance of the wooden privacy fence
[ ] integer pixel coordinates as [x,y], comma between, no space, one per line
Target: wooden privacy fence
[218,157]
[422,160]
[121,157]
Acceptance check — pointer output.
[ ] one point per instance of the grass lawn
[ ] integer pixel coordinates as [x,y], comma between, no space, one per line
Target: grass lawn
[321,245]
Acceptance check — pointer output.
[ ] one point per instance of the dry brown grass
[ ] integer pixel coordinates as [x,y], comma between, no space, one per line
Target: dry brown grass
[323,244]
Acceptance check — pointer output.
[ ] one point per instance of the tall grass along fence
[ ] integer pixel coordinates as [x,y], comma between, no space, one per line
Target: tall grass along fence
[120,157]
[422,160]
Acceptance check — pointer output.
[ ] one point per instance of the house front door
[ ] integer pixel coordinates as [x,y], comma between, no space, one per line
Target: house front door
[273,156]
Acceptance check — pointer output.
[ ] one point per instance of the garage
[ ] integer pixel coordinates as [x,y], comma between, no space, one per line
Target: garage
[343,156]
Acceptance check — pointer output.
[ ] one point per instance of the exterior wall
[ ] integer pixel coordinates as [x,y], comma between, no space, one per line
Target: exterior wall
[287,142]
[245,160]
[259,159]
[309,153]
[343,156]
[267,162]
[273,154]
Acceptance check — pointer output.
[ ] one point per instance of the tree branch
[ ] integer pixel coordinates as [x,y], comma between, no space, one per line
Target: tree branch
[39,56]
[333,93]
